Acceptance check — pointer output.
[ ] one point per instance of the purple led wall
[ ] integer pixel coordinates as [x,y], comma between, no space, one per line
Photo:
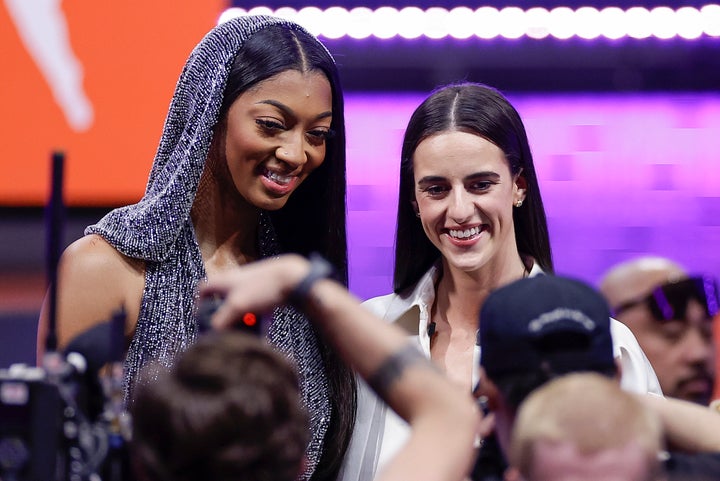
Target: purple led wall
[621,175]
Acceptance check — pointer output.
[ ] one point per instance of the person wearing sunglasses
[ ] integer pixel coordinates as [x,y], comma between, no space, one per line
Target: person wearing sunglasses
[671,314]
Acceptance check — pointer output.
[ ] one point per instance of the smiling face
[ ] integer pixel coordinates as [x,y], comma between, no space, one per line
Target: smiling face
[680,350]
[465,193]
[276,136]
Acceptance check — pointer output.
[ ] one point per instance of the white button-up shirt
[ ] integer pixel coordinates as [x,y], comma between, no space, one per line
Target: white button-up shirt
[380,433]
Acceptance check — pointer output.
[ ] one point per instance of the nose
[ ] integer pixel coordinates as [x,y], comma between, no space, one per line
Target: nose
[461,207]
[292,151]
[698,339]
[698,347]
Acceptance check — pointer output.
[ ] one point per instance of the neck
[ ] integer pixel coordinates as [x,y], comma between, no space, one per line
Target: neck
[458,301]
[464,292]
[225,224]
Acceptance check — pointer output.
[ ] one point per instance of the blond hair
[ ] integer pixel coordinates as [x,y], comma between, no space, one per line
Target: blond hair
[588,410]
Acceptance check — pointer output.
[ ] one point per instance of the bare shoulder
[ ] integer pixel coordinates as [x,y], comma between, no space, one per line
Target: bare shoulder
[92,264]
[94,280]
[92,253]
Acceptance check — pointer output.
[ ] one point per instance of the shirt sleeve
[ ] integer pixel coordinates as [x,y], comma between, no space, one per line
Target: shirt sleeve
[637,374]
[362,455]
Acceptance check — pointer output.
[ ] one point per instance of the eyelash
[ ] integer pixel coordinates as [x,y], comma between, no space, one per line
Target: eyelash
[483,184]
[434,190]
[324,134]
[273,126]
[269,124]
[437,190]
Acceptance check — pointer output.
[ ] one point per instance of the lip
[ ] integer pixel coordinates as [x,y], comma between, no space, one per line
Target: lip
[275,186]
[696,385]
[465,242]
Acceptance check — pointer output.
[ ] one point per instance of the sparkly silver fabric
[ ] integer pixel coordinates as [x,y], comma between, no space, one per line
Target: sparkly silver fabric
[158,230]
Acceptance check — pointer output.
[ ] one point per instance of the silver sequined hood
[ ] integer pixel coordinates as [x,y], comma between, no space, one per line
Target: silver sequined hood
[148,229]
[158,229]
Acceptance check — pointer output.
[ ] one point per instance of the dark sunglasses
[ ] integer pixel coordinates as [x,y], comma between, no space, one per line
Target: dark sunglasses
[669,301]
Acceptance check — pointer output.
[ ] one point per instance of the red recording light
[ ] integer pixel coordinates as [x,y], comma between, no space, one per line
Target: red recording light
[249,319]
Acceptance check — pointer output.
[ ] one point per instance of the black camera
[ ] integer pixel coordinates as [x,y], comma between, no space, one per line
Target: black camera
[47,430]
[65,421]
[249,322]
[31,425]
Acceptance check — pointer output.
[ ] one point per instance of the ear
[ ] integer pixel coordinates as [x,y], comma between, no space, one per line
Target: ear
[415,207]
[520,188]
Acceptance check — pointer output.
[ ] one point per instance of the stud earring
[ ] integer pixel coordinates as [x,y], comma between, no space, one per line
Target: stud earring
[518,203]
[417,214]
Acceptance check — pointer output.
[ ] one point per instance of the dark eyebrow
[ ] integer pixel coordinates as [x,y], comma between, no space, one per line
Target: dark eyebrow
[476,176]
[288,111]
[483,175]
[431,179]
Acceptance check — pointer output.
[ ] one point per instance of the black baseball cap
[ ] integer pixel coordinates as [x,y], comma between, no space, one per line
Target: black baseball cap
[545,323]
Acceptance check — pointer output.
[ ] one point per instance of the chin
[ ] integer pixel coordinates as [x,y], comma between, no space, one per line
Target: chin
[271,205]
[467,263]
[262,200]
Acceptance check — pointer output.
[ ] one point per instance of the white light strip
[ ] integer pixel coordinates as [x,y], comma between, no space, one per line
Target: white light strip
[510,22]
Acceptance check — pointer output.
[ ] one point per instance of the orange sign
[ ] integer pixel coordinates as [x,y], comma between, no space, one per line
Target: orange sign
[93,79]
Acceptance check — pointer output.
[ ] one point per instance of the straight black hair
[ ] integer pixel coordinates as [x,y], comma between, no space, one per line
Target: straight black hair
[314,217]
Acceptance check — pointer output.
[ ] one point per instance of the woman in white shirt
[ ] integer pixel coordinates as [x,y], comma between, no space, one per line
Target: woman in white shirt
[470,219]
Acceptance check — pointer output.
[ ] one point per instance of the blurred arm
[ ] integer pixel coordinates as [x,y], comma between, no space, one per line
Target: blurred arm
[688,426]
[443,418]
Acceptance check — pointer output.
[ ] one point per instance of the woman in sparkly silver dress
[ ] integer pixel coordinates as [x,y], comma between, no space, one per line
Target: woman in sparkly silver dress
[251,163]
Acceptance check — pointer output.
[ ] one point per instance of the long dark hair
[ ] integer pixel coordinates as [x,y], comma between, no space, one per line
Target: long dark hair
[481,110]
[313,219]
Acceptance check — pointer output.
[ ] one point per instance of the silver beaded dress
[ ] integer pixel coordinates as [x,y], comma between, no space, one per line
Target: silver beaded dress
[159,231]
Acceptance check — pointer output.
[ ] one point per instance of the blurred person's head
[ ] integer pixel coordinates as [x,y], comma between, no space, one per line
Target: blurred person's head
[534,330]
[671,315]
[229,409]
[584,426]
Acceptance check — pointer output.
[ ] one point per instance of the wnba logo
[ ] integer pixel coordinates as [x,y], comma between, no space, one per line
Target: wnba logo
[92,79]
[43,29]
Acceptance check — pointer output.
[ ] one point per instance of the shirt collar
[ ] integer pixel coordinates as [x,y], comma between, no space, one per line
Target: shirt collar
[413,312]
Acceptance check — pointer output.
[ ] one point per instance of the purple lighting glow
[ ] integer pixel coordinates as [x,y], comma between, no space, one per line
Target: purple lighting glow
[620,175]
[510,22]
